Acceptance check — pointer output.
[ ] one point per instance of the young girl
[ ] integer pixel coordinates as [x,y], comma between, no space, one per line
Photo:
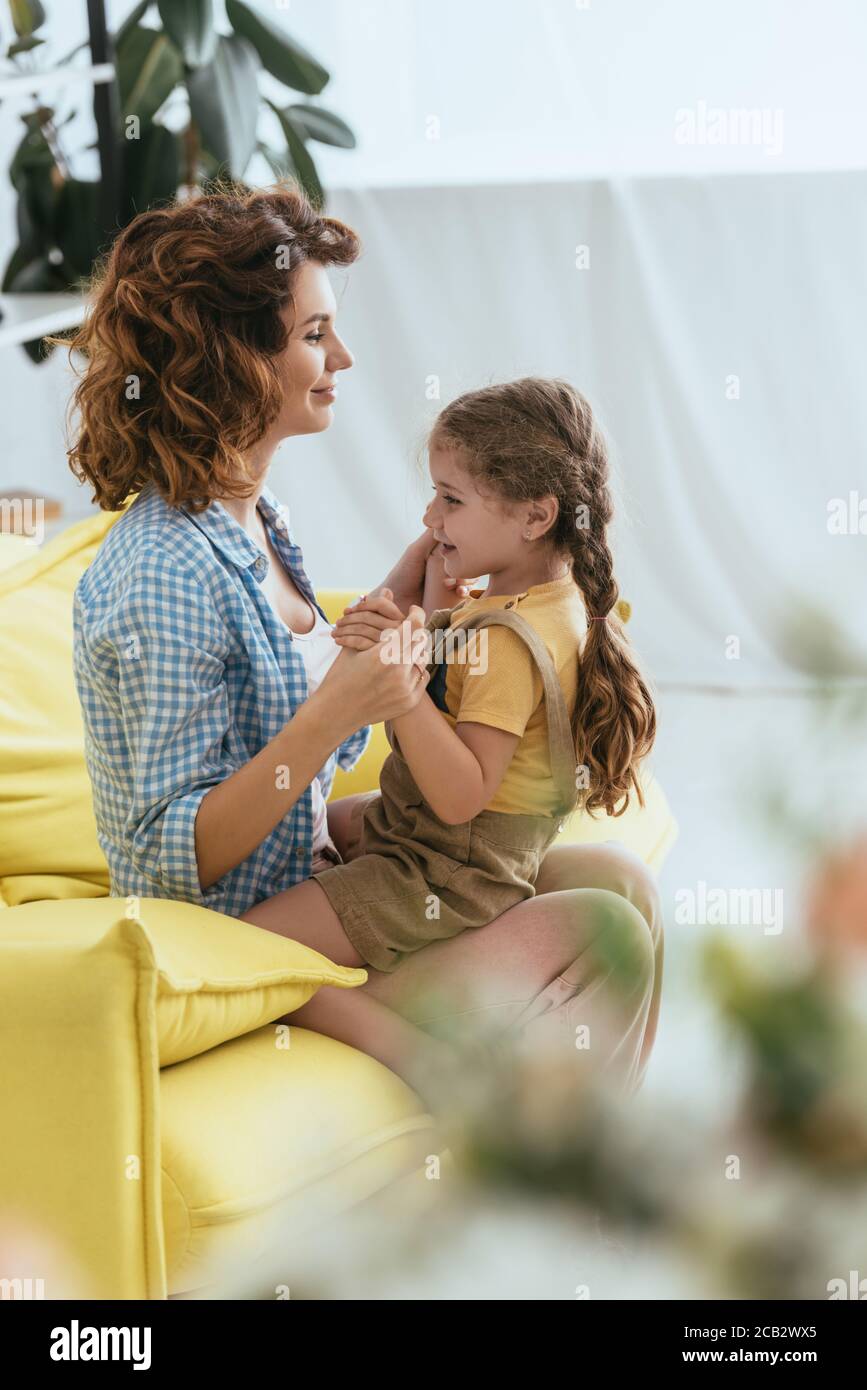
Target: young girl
[498,750]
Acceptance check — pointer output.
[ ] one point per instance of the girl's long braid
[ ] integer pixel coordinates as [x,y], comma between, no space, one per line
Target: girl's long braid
[615,720]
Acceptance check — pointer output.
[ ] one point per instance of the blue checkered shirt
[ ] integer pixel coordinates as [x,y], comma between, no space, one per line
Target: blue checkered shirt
[184,672]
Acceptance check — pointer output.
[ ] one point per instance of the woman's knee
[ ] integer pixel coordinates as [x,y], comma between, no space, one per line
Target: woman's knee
[598,934]
[639,884]
[607,866]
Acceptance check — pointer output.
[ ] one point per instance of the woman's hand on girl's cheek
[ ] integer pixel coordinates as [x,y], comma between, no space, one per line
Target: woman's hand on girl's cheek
[407,578]
[442,590]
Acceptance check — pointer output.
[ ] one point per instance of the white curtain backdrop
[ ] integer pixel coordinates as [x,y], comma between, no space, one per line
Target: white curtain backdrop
[719,330]
[717,323]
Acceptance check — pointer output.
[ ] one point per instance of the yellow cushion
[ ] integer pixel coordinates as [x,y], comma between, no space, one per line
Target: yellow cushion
[13,549]
[217,977]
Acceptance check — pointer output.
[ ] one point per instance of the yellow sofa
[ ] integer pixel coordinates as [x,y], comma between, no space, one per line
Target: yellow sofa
[124,1172]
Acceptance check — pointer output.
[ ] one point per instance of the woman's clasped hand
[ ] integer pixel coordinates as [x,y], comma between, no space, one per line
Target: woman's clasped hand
[369,685]
[367,618]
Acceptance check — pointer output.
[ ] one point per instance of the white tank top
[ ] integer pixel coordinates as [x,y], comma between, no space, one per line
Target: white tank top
[318,650]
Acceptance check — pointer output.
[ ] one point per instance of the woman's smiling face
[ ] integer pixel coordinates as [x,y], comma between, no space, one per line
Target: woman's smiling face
[478,534]
[313,355]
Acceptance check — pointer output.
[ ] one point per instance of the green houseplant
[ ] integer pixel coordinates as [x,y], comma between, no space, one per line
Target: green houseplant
[186,108]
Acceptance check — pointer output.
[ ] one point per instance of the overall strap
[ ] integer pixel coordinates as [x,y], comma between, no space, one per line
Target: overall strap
[561,744]
[440,618]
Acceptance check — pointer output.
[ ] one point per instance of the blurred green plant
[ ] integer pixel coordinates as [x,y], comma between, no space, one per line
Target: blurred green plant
[766,1201]
[766,1198]
[181,67]
[806,1050]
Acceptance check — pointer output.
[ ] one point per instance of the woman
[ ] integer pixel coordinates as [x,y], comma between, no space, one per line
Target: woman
[211,737]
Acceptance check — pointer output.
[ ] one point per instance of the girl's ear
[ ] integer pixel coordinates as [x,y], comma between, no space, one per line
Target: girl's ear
[542,514]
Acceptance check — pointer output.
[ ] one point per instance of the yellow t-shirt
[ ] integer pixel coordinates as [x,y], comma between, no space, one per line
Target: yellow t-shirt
[509,694]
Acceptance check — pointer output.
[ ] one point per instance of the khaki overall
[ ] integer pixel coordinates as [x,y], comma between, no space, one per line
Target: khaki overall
[412,878]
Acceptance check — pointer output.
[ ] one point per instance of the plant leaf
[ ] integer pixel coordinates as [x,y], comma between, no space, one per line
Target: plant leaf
[23,45]
[27,15]
[39,196]
[190,26]
[148,68]
[72,52]
[152,169]
[302,162]
[33,152]
[30,242]
[280,55]
[21,257]
[136,13]
[224,103]
[38,277]
[207,166]
[279,161]
[317,123]
[76,225]
[33,276]
[38,350]
[305,169]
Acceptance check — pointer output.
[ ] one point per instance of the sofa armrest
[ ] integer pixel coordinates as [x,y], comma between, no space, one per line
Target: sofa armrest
[80,1166]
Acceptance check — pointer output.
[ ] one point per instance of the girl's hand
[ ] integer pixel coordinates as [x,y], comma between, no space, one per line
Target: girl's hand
[406,579]
[364,621]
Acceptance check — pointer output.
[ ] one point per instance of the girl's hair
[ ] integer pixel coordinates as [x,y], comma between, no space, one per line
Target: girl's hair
[180,343]
[534,438]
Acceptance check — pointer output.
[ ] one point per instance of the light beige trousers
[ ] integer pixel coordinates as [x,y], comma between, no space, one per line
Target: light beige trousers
[581,960]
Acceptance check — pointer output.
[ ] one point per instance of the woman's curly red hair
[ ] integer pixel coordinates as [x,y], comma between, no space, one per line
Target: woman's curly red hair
[181,341]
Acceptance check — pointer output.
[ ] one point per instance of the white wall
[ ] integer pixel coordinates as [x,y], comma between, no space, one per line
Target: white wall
[555,124]
[559,89]
[724,484]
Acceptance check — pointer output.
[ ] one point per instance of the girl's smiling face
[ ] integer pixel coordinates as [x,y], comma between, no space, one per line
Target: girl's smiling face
[479,534]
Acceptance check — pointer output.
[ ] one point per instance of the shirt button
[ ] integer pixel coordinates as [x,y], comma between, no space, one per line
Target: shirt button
[280,525]
[299,851]
[261,565]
